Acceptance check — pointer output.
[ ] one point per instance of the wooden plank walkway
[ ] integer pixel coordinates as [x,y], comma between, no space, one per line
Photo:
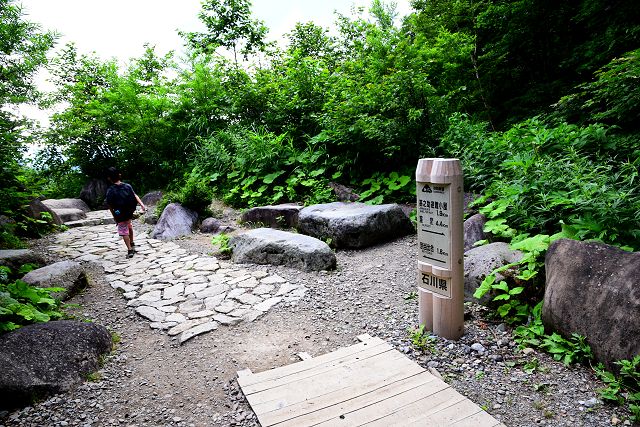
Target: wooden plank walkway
[369,383]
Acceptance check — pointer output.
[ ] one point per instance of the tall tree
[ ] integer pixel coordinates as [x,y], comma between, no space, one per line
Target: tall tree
[229,25]
[23,49]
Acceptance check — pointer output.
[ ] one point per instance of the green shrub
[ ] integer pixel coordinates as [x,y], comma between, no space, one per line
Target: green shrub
[247,168]
[540,175]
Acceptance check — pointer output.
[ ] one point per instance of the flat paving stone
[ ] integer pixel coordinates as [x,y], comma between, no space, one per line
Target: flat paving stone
[200,329]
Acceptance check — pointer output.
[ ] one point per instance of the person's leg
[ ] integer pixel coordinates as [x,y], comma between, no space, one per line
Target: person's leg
[127,242]
[131,234]
[123,230]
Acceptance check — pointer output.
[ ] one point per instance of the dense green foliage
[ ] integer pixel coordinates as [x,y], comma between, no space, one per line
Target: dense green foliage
[22,51]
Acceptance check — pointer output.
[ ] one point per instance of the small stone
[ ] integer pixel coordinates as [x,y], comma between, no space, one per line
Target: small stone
[591,402]
[477,347]
[527,351]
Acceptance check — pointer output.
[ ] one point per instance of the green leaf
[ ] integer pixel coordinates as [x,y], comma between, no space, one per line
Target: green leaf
[402,181]
[501,286]
[316,172]
[504,310]
[516,291]
[268,179]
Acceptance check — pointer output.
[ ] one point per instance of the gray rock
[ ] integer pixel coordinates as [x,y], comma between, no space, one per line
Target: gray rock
[481,261]
[36,208]
[354,225]
[278,216]
[197,330]
[175,221]
[477,347]
[70,215]
[473,230]
[152,198]
[150,217]
[210,225]
[14,258]
[94,192]
[47,358]
[57,204]
[275,247]
[69,275]
[151,313]
[343,193]
[593,289]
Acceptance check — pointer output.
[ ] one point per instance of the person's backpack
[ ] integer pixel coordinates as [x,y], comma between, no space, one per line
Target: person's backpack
[122,200]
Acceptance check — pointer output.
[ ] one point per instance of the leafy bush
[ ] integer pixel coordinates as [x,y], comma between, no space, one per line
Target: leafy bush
[248,168]
[538,176]
[391,187]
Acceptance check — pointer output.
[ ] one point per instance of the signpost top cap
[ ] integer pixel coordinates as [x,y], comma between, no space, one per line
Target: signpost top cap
[437,170]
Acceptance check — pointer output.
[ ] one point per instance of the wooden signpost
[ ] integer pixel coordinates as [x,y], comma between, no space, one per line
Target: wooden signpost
[439,189]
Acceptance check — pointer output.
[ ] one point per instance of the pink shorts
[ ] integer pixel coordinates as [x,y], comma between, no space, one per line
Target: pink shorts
[123,228]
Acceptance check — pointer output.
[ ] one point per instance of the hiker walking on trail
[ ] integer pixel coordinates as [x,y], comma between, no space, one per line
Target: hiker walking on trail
[122,202]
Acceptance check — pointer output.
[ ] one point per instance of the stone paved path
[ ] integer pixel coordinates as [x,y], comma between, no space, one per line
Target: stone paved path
[182,293]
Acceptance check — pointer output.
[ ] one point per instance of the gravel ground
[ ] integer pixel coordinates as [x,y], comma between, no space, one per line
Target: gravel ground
[151,380]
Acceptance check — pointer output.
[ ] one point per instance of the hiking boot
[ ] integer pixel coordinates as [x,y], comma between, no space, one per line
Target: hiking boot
[130,253]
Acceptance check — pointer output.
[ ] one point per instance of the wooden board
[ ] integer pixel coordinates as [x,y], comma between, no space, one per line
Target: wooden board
[369,383]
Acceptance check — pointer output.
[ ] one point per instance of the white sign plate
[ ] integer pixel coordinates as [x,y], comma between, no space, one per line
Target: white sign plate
[434,233]
[436,285]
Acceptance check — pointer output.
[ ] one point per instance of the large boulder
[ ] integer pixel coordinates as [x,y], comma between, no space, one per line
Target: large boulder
[36,208]
[215,226]
[278,216]
[47,358]
[93,193]
[70,215]
[481,261]
[152,198]
[175,221]
[57,204]
[14,258]
[593,289]
[354,225]
[276,247]
[69,275]
[474,230]
[210,225]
